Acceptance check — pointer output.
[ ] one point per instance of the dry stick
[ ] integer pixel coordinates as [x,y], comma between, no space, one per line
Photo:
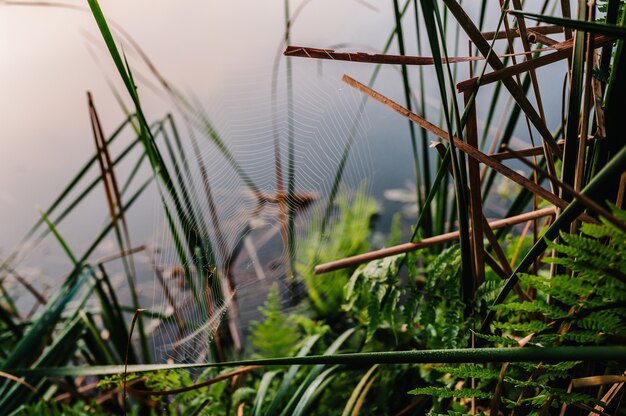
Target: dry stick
[514,89]
[469,150]
[130,334]
[586,201]
[597,381]
[566,12]
[471,133]
[108,175]
[427,242]
[529,151]
[609,396]
[619,202]
[526,45]
[533,77]
[563,50]
[170,299]
[598,97]
[18,380]
[538,37]
[375,58]
[40,298]
[120,254]
[505,270]
[544,30]
[587,97]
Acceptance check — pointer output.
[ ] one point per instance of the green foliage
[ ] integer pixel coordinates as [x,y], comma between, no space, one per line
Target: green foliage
[603,6]
[346,235]
[206,400]
[277,335]
[442,312]
[442,392]
[373,294]
[582,307]
[42,408]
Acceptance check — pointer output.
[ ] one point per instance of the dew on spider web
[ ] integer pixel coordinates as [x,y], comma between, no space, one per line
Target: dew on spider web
[247,237]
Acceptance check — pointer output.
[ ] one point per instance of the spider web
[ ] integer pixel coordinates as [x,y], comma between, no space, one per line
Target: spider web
[323,118]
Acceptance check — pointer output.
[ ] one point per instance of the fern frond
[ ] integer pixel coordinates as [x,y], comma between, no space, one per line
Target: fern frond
[525,327]
[497,339]
[444,393]
[537,306]
[602,321]
[469,370]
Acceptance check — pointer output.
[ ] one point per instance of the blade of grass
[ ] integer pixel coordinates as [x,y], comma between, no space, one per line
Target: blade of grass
[360,387]
[599,28]
[314,390]
[407,98]
[118,219]
[287,382]
[577,63]
[262,392]
[464,355]
[433,27]
[315,372]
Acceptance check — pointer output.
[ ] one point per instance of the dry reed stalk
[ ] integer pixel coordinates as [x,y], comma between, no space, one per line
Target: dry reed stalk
[543,30]
[471,133]
[586,201]
[514,88]
[427,242]
[466,148]
[529,151]
[386,59]
[562,51]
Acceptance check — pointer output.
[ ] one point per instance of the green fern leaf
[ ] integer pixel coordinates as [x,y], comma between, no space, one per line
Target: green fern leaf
[444,392]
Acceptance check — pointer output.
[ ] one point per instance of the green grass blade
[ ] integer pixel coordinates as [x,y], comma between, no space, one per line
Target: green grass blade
[433,28]
[287,382]
[407,97]
[314,390]
[315,371]
[262,391]
[598,28]
[570,150]
[464,355]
